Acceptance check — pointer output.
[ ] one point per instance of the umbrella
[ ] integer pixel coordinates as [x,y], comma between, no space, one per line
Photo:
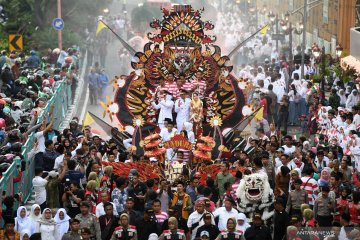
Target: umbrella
[207,139]
[152,136]
[204,147]
[153,144]
[202,155]
[155,152]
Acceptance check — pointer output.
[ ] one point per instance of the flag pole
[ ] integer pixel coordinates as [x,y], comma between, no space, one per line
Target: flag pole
[245,41]
[123,42]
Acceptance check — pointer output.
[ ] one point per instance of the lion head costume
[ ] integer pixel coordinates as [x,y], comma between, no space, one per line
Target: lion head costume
[255,195]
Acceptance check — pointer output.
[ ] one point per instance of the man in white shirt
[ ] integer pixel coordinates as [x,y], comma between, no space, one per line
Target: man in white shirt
[166,134]
[196,219]
[285,161]
[226,212]
[289,149]
[297,71]
[321,161]
[39,184]
[100,207]
[165,105]
[59,161]
[182,108]
[40,147]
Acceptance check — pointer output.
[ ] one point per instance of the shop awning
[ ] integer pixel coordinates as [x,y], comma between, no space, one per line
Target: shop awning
[352,62]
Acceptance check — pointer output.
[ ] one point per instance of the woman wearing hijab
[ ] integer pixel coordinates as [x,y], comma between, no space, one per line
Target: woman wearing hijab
[62,220]
[47,226]
[35,215]
[196,111]
[25,234]
[231,231]
[22,221]
[242,223]
[324,176]
[173,232]
[188,127]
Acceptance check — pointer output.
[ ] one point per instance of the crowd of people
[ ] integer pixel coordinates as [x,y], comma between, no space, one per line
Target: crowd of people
[78,194]
[27,83]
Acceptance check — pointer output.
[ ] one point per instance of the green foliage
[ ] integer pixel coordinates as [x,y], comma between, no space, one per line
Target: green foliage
[47,38]
[346,75]
[33,19]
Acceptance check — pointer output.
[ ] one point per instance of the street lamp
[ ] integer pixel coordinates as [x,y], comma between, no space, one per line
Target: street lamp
[288,29]
[272,17]
[338,50]
[106,10]
[275,20]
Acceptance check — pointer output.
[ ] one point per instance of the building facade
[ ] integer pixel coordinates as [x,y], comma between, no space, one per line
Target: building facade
[328,22]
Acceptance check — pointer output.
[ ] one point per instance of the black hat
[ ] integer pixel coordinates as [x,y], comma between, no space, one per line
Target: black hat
[295,219]
[167,120]
[325,189]
[207,215]
[85,230]
[74,220]
[257,215]
[298,181]
[231,200]
[280,200]
[85,204]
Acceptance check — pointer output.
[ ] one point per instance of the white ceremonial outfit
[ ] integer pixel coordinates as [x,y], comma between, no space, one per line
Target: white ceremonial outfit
[165,107]
[182,108]
[166,136]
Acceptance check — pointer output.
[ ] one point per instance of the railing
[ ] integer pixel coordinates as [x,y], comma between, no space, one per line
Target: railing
[62,101]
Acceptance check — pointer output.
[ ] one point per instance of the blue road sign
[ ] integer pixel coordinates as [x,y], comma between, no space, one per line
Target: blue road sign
[58,24]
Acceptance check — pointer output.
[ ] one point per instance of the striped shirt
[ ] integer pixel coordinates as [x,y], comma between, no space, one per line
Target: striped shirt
[172,88]
[311,188]
[161,217]
[188,86]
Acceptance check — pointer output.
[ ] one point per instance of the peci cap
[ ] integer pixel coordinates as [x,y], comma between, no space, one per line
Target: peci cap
[257,215]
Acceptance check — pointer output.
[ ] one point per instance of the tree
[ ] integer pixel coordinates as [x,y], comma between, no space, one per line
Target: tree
[33,19]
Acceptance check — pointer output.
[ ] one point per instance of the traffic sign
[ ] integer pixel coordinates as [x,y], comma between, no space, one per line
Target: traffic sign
[16,42]
[58,24]
[280,37]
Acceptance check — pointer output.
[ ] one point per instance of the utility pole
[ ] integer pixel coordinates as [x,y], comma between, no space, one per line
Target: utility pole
[277,32]
[303,40]
[59,31]
[291,58]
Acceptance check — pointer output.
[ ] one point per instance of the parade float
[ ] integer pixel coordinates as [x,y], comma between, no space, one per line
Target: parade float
[180,44]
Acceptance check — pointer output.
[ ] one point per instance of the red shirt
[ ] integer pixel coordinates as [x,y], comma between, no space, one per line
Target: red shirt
[263,103]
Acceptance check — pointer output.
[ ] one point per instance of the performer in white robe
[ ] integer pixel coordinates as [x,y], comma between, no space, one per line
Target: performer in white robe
[166,134]
[165,105]
[182,108]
